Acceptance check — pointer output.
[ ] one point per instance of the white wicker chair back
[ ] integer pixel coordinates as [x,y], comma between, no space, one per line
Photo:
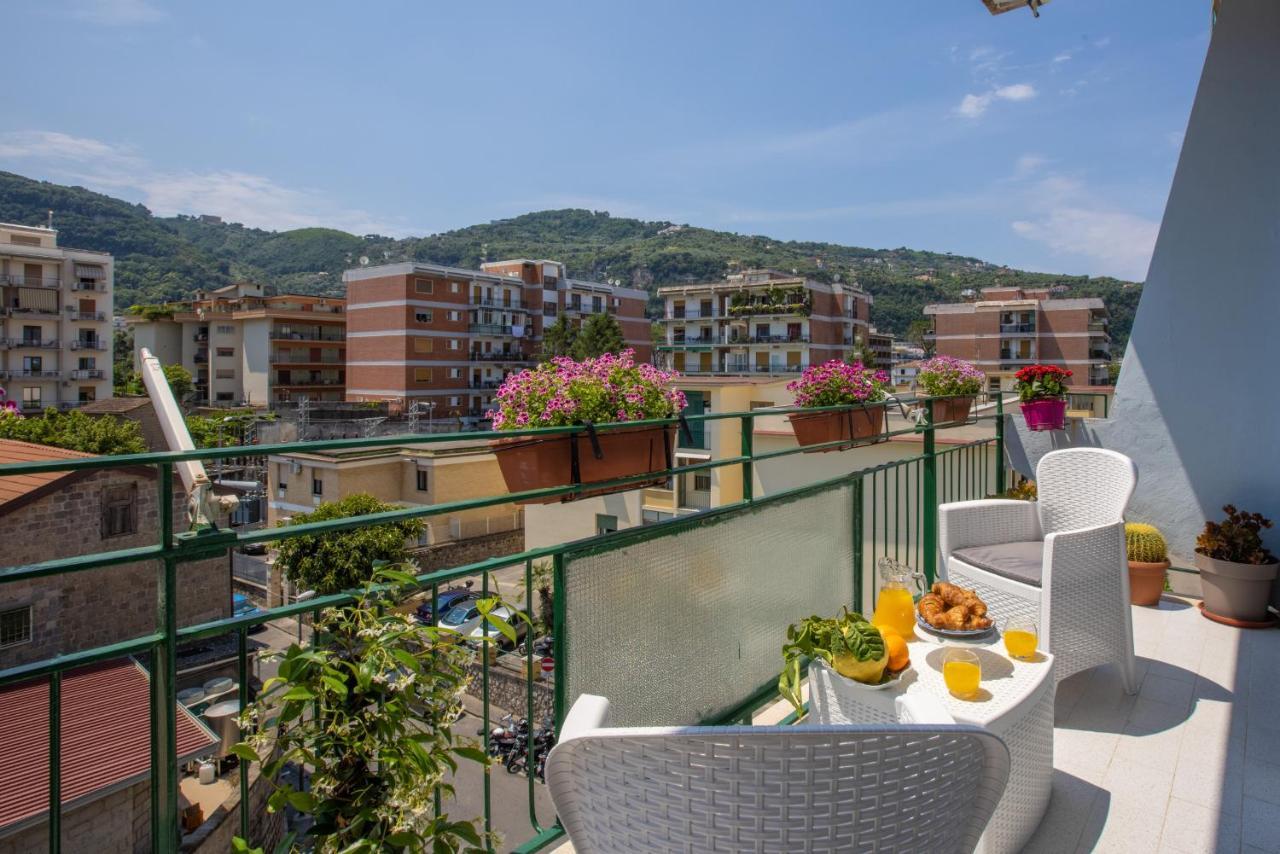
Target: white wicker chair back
[1083,488]
[778,789]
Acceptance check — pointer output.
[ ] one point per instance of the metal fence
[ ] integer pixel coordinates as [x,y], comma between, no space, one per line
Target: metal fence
[889,509]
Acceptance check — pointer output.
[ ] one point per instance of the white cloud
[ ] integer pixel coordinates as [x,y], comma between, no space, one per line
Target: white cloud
[1016,92]
[234,195]
[972,106]
[117,13]
[1027,165]
[1065,56]
[1070,220]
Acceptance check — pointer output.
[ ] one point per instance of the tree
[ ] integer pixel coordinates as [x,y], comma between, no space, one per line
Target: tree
[919,328]
[180,381]
[558,339]
[599,335]
[75,431]
[328,563]
[543,579]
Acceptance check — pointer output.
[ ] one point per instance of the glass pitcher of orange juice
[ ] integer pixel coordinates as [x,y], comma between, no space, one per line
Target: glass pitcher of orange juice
[895,602]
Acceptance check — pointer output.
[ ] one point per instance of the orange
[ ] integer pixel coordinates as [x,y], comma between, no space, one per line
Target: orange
[899,656]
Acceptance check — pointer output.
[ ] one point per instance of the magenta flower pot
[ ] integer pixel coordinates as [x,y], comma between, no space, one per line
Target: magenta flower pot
[1047,414]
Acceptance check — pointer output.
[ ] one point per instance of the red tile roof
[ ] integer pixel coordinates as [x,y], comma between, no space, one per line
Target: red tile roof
[106,737]
[13,451]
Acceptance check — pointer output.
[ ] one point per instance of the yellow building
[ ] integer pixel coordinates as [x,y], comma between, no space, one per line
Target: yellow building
[404,476]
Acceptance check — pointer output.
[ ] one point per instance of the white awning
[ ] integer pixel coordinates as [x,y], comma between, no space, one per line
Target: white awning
[84,271]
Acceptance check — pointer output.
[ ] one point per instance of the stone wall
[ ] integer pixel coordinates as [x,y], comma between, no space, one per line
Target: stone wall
[117,822]
[96,607]
[507,692]
[470,550]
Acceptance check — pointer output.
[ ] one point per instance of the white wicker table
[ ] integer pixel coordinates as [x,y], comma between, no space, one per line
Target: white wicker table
[1016,704]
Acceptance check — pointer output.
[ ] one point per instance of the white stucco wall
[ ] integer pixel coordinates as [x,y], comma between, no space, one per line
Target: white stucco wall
[1196,405]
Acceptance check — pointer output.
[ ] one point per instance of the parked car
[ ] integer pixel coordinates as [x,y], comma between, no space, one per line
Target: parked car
[254,549]
[241,606]
[447,598]
[462,613]
[479,627]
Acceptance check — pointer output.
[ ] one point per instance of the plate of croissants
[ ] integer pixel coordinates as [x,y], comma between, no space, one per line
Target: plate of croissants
[953,611]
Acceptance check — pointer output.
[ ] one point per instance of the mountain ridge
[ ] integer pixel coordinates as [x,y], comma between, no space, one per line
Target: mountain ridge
[168,258]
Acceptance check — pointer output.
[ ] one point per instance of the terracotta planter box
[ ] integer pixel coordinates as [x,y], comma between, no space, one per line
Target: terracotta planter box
[1048,414]
[951,409]
[1146,581]
[1238,591]
[816,428]
[538,463]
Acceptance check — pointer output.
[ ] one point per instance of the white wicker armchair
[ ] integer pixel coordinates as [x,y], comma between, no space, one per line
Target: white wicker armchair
[905,788]
[1059,560]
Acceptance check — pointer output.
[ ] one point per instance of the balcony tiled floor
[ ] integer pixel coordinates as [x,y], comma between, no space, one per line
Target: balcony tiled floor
[1189,764]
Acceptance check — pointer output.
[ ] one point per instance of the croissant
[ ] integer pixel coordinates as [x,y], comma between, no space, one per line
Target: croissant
[931,608]
[977,621]
[955,618]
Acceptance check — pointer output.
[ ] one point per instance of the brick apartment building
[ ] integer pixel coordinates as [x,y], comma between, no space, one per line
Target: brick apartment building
[761,321]
[1009,328]
[243,347]
[446,337]
[55,320]
[65,514]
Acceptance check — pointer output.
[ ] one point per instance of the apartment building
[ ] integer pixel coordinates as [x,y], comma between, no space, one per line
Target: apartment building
[1006,329]
[55,322]
[243,347]
[443,338]
[760,321]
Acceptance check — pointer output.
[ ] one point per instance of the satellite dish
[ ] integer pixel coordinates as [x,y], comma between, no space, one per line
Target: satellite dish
[364,260]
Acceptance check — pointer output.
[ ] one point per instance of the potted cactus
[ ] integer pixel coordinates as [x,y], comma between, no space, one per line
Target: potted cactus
[1236,569]
[1148,562]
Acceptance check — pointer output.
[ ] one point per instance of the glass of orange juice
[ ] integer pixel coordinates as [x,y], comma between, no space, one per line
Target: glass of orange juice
[962,672]
[1021,637]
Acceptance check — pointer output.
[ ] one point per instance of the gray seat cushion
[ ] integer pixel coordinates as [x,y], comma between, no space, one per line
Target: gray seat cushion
[1015,561]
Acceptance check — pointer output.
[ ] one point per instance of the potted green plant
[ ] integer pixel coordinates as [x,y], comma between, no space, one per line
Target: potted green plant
[837,383]
[849,644]
[1148,562]
[1042,391]
[955,381]
[1236,569]
[563,392]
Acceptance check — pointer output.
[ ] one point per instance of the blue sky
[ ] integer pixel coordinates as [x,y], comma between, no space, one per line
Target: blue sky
[1048,144]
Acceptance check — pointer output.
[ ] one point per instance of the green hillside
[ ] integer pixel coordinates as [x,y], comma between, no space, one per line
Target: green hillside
[162,258]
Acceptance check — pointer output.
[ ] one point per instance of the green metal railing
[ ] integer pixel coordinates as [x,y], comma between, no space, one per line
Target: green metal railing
[895,513]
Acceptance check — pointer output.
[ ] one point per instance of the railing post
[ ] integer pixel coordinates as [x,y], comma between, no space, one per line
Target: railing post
[55,762]
[748,423]
[557,635]
[930,520]
[1000,443]
[164,746]
[858,556]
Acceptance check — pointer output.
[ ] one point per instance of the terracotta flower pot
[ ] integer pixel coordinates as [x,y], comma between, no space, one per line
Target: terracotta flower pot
[1045,414]
[816,428]
[538,463]
[1238,591]
[1146,581]
[951,409]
